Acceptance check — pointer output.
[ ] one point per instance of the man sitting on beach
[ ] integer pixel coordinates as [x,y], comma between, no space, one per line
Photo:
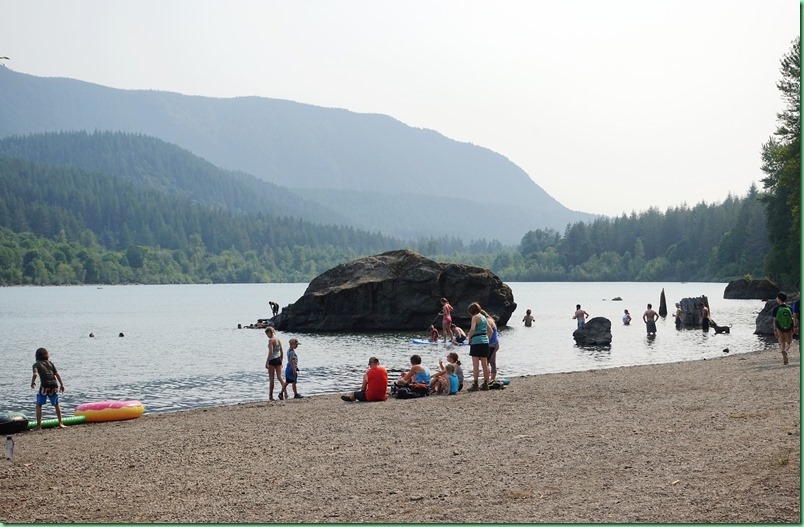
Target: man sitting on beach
[375,384]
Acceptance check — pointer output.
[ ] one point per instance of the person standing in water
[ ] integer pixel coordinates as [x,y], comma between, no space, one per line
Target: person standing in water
[679,314]
[528,319]
[704,317]
[626,318]
[649,317]
[446,319]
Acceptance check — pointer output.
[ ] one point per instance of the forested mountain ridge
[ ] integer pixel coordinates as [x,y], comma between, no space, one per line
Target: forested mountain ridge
[54,201]
[151,163]
[364,163]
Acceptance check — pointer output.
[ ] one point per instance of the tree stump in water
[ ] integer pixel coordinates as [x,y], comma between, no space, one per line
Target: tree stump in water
[691,316]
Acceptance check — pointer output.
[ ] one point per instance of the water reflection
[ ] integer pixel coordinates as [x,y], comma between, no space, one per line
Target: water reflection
[596,353]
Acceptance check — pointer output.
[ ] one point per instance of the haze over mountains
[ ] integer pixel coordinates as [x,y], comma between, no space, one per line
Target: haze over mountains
[327,165]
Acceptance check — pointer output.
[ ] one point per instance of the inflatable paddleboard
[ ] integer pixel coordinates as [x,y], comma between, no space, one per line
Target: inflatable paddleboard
[423,341]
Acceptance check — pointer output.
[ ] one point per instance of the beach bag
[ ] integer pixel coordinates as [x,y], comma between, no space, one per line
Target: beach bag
[784,318]
[412,391]
[419,388]
[403,392]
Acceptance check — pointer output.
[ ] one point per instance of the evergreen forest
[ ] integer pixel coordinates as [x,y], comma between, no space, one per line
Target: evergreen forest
[118,208]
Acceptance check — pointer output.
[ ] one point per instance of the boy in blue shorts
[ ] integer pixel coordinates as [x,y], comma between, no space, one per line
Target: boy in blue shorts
[291,371]
[51,385]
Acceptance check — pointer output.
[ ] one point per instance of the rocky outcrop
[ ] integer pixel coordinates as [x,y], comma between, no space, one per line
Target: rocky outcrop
[596,332]
[397,290]
[751,290]
[764,320]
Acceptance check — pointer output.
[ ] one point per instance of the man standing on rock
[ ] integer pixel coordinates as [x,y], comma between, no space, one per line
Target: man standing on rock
[580,315]
[649,317]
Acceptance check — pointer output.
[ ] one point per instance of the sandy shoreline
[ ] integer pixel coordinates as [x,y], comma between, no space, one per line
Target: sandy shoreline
[701,441]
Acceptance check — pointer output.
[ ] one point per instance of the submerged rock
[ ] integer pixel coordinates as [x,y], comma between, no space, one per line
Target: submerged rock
[397,290]
[595,332]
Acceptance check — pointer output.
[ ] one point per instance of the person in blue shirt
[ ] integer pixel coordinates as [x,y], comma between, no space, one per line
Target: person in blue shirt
[453,378]
[416,373]
[291,370]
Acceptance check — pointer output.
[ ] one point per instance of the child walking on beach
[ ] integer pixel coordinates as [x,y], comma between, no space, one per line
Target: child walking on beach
[51,385]
[291,370]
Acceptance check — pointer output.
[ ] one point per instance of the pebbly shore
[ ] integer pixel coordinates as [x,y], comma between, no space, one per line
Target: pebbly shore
[708,441]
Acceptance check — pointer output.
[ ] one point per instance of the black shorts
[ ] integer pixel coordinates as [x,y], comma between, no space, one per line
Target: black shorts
[479,350]
[360,396]
[275,362]
[460,339]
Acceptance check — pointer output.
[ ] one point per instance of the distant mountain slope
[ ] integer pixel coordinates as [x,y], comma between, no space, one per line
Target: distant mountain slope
[155,164]
[309,148]
[47,200]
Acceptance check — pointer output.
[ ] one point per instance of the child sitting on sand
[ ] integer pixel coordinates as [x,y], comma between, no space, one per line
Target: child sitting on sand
[453,379]
[440,381]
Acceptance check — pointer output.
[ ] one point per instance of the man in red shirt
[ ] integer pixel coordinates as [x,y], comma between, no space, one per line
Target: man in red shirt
[375,384]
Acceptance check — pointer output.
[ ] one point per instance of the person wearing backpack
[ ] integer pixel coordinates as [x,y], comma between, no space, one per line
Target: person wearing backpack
[783,325]
[50,386]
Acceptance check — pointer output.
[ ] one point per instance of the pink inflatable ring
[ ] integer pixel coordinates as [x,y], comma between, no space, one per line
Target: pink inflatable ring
[110,410]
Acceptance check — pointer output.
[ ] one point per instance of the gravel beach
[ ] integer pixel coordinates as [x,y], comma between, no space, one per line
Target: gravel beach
[709,441]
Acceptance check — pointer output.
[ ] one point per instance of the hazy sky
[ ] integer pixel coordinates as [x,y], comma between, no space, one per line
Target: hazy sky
[611,106]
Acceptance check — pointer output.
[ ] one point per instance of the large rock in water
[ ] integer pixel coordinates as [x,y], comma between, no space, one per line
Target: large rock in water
[751,290]
[397,290]
[764,320]
[595,332]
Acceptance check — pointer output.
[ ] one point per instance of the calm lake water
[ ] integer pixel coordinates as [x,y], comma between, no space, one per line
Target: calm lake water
[181,348]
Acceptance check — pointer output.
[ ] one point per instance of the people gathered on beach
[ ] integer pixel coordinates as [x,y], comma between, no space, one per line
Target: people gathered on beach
[483,337]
